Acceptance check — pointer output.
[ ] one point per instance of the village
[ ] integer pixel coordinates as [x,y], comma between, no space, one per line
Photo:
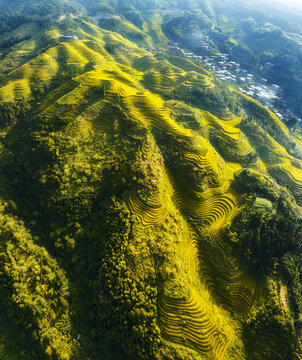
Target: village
[270,95]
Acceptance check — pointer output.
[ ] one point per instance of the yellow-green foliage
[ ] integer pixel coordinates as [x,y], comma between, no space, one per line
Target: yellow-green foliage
[210,211]
[153,27]
[157,263]
[283,166]
[162,80]
[233,287]
[188,323]
[37,72]
[270,122]
[22,51]
[37,290]
[228,127]
[196,79]
[148,215]
[189,65]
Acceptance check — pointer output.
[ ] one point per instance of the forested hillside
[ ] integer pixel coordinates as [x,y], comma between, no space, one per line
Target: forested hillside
[148,210]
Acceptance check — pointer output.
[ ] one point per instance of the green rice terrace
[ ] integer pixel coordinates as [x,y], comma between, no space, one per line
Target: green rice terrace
[148,211]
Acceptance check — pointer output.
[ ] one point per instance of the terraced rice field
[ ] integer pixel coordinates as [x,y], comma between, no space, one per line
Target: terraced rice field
[148,215]
[288,176]
[211,211]
[217,211]
[152,24]
[261,111]
[294,172]
[214,276]
[194,257]
[145,107]
[93,33]
[199,80]
[282,168]
[38,71]
[201,160]
[229,285]
[228,127]
[298,136]
[188,65]
[194,322]
[188,322]
[226,115]
[79,128]
[108,72]
[149,109]
[43,68]
[230,170]
[78,52]
[159,81]
[57,94]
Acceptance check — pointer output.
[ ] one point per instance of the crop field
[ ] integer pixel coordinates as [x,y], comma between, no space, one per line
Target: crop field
[38,71]
[188,322]
[147,214]
[102,100]
[228,127]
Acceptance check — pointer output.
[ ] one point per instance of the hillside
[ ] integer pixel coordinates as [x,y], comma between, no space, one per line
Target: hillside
[148,210]
[264,37]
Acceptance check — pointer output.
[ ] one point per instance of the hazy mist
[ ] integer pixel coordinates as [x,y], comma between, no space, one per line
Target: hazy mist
[288,4]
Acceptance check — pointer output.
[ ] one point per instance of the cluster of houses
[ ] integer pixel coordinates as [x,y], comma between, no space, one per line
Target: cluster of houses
[205,45]
[270,95]
[71,37]
[223,68]
[104,15]
[154,50]
[231,72]
[175,50]
[267,94]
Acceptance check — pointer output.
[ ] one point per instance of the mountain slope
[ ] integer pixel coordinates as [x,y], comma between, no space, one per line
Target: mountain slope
[263,37]
[148,211]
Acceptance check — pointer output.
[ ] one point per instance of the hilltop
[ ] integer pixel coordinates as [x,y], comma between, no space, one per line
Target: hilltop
[148,209]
